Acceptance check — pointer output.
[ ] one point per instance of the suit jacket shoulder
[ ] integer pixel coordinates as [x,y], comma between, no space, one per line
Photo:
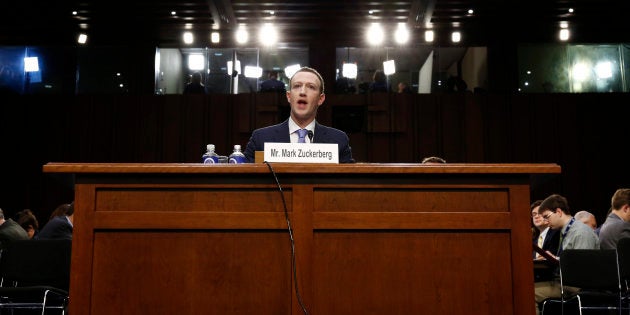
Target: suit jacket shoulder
[274,133]
[613,229]
[56,228]
[325,134]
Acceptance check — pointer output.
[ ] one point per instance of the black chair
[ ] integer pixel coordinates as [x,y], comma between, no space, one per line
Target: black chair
[623,251]
[596,273]
[35,275]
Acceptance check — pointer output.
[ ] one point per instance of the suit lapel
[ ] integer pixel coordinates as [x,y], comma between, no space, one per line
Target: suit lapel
[282,134]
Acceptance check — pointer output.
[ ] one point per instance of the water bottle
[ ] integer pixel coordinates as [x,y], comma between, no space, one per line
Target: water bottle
[237,156]
[210,157]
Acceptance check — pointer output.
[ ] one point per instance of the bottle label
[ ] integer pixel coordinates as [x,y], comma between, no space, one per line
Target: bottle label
[211,159]
[237,159]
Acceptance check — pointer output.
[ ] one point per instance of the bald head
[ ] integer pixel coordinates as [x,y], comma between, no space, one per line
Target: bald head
[586,218]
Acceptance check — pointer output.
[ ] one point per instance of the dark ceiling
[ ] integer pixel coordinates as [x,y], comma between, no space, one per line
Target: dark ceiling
[305,22]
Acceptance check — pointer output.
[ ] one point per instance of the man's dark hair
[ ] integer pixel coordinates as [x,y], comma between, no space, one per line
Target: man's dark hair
[313,71]
[535,204]
[554,202]
[620,198]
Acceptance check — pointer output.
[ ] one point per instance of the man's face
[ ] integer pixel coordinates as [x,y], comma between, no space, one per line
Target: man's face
[625,213]
[553,218]
[304,97]
[538,220]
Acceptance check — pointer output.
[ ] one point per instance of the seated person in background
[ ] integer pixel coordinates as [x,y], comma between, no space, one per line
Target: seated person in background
[343,85]
[433,160]
[403,88]
[28,221]
[545,238]
[305,96]
[617,224]
[195,86]
[10,230]
[574,235]
[379,82]
[456,84]
[588,219]
[60,225]
[272,84]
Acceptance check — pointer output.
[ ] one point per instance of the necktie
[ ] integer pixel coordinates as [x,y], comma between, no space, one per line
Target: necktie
[301,134]
[540,244]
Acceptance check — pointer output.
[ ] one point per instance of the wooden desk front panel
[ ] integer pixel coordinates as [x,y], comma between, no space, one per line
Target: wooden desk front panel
[363,247]
[412,272]
[191,272]
[412,250]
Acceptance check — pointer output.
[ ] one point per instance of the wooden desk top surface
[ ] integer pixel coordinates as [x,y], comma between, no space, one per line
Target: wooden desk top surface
[376,168]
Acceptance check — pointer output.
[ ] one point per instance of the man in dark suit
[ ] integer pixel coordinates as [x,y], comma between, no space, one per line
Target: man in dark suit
[617,224]
[195,86]
[58,227]
[272,84]
[305,96]
[546,238]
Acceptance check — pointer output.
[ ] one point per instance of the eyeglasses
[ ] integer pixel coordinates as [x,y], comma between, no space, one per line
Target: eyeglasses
[546,216]
[535,214]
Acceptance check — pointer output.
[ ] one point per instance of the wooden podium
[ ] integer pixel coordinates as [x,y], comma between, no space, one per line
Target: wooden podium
[368,238]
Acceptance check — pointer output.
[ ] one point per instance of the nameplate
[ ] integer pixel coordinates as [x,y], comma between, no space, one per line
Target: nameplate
[301,152]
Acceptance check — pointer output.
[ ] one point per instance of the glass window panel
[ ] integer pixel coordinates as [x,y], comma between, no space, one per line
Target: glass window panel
[595,68]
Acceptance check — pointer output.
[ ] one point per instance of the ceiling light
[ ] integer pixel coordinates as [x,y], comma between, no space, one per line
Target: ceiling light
[375,34]
[215,37]
[456,37]
[402,34]
[241,35]
[188,38]
[82,39]
[349,70]
[564,34]
[389,67]
[268,36]
[429,36]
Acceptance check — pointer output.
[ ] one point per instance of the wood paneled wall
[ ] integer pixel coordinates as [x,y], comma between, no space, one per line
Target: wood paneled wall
[584,133]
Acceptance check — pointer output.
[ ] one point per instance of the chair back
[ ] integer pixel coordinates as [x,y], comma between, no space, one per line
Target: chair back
[36,262]
[590,269]
[623,251]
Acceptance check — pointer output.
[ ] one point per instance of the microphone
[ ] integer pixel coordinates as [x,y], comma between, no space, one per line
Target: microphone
[310,135]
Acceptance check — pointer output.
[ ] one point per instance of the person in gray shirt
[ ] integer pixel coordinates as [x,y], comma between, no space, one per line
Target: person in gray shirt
[573,235]
[617,224]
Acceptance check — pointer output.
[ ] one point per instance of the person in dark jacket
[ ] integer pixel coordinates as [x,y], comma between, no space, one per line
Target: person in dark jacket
[58,227]
[10,230]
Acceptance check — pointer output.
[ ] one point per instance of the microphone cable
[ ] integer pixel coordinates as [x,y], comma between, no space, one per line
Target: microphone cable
[286,216]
